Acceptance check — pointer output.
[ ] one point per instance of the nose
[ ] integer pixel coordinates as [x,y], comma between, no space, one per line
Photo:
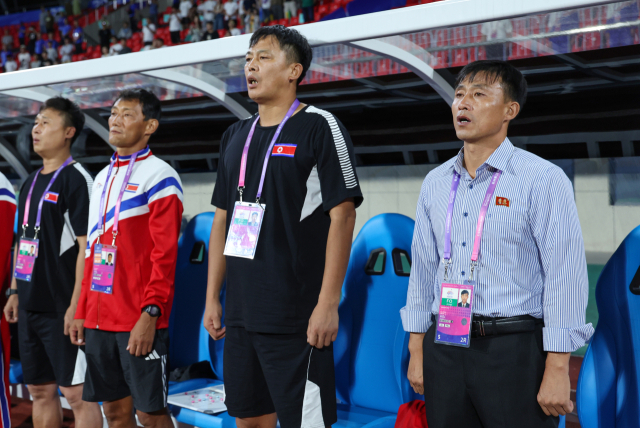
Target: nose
[251,65]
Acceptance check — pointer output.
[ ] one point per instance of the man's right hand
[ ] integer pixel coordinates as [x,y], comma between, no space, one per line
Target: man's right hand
[76,332]
[213,319]
[414,374]
[11,309]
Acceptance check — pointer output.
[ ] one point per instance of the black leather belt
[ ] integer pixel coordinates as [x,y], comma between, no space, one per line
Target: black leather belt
[487,326]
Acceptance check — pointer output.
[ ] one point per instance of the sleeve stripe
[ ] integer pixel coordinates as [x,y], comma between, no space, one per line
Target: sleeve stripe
[86,176]
[7,192]
[341,147]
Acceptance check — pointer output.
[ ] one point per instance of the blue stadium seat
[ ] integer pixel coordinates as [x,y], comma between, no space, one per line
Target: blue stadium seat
[15,372]
[336,14]
[188,343]
[371,350]
[607,394]
[360,7]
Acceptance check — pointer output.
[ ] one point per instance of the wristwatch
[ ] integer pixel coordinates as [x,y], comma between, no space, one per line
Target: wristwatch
[152,310]
[11,292]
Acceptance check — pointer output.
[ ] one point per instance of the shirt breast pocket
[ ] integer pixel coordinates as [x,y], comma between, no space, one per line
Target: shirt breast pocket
[505,225]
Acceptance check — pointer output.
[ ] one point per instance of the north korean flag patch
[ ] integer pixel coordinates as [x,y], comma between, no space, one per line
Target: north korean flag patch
[51,197]
[131,188]
[503,202]
[288,150]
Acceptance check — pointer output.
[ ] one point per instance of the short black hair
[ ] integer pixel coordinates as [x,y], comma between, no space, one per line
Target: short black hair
[513,82]
[464,292]
[150,104]
[291,41]
[70,112]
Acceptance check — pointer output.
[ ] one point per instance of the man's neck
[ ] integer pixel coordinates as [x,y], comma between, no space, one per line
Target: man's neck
[477,153]
[55,161]
[272,113]
[128,151]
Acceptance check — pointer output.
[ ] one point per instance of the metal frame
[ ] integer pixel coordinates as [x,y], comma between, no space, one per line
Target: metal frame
[43,94]
[358,28]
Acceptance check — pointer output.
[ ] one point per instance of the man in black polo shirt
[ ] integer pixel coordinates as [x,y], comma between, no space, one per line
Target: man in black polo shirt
[284,275]
[57,199]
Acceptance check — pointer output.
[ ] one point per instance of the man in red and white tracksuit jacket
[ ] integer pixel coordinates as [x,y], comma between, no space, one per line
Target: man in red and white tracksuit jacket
[126,328]
[7,219]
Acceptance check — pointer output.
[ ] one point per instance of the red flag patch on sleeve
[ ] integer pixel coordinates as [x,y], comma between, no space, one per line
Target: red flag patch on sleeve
[288,150]
[504,202]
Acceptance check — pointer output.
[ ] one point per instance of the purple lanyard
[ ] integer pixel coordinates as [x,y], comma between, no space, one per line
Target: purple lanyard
[245,151]
[483,214]
[116,215]
[27,204]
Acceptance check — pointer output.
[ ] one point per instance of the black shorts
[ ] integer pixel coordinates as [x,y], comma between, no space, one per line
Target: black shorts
[281,373]
[113,373]
[46,354]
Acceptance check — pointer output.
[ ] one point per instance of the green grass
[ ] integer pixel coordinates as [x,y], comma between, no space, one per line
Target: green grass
[592,308]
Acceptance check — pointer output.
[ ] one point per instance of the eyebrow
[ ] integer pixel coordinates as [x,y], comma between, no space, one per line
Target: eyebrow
[475,85]
[260,51]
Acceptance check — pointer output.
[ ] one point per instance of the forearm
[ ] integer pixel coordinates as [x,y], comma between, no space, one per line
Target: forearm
[558,361]
[77,287]
[415,343]
[343,219]
[14,283]
[217,261]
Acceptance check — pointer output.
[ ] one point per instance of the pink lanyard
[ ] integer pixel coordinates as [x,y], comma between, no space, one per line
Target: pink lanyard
[27,204]
[116,214]
[483,214]
[245,151]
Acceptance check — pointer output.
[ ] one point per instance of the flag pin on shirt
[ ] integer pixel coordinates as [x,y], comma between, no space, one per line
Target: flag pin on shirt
[502,201]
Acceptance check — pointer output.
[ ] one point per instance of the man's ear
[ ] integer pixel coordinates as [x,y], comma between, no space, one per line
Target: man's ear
[69,132]
[152,126]
[512,110]
[295,72]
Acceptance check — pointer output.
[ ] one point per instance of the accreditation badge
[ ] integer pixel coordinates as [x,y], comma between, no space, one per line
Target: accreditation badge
[244,230]
[104,268]
[455,315]
[26,260]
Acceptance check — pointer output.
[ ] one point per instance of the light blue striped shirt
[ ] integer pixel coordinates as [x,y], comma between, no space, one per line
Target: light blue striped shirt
[532,259]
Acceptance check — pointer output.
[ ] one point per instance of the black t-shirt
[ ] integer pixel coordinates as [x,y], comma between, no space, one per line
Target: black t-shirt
[210,36]
[277,291]
[63,218]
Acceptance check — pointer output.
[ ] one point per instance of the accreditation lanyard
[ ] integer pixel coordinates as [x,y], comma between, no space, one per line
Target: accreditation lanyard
[246,222]
[456,300]
[27,205]
[27,247]
[104,256]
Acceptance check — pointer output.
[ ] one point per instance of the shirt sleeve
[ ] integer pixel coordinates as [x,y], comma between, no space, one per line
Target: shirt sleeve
[219,198]
[416,315]
[165,219]
[556,230]
[78,202]
[336,164]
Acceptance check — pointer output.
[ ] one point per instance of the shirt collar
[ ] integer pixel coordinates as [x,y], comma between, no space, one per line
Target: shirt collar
[124,160]
[498,159]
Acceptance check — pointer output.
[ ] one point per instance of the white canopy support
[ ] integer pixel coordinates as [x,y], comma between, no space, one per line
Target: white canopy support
[409,60]
[41,94]
[10,155]
[204,82]
[443,14]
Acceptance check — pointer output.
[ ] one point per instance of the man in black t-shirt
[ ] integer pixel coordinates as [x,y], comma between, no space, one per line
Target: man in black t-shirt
[210,33]
[282,305]
[47,303]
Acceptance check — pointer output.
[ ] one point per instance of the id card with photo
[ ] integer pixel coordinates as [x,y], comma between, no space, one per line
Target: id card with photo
[26,260]
[454,318]
[244,230]
[104,268]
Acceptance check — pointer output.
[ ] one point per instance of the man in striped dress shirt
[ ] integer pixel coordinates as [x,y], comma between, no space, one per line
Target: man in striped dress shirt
[531,285]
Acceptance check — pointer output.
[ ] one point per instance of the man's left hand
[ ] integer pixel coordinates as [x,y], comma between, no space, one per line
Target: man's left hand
[555,391]
[323,325]
[68,317]
[142,335]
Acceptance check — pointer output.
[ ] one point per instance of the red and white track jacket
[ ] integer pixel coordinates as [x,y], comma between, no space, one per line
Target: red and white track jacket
[147,242]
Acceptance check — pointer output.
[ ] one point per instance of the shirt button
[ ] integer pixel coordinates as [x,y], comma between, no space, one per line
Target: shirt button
[462,273]
[466,214]
[470,186]
[464,244]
